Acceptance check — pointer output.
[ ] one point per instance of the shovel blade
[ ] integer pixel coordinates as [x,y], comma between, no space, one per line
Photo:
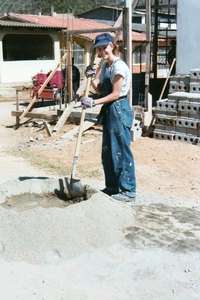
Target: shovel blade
[75,188]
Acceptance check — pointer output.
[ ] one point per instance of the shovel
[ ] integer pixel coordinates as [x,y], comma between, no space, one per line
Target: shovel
[75,187]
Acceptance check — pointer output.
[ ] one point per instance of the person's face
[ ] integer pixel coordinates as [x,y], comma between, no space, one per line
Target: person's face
[105,51]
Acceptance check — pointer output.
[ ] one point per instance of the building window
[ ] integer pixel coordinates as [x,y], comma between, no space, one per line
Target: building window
[27,47]
[137,19]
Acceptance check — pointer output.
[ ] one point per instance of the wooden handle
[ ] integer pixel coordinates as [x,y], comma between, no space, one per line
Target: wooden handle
[167,79]
[78,141]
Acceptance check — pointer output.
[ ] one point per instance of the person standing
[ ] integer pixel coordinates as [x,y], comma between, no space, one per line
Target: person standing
[116,116]
[171,55]
[75,77]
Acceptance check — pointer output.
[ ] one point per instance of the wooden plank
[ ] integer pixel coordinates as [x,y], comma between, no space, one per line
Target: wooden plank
[62,120]
[36,115]
[28,108]
[69,74]
[48,128]
[167,79]
[82,31]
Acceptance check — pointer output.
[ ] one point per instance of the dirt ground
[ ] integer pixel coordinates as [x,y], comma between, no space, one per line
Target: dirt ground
[166,168]
[99,249]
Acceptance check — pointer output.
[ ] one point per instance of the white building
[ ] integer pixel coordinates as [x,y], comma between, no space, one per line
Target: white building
[26,49]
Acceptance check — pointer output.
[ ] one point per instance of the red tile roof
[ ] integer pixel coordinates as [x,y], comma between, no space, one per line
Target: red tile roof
[67,21]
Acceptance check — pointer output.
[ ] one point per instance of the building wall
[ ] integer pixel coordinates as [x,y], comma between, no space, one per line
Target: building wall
[18,72]
[188,35]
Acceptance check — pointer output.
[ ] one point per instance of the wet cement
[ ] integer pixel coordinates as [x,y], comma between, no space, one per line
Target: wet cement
[175,229]
[27,201]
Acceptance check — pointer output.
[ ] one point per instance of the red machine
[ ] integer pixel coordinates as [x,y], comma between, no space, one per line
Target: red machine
[53,89]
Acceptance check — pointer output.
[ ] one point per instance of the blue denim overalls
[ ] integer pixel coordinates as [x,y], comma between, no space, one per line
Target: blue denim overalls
[117,159]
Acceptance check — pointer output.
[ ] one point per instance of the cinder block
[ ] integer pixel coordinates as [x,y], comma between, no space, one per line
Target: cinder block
[190,108]
[179,83]
[193,97]
[167,105]
[163,135]
[173,86]
[187,138]
[184,87]
[136,129]
[178,96]
[195,74]
[188,123]
[186,130]
[165,122]
[195,87]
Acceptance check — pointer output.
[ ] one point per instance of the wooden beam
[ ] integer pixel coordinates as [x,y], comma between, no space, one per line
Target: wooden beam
[81,31]
[36,115]
[69,70]
[167,79]
[48,128]
[127,37]
[148,52]
[65,115]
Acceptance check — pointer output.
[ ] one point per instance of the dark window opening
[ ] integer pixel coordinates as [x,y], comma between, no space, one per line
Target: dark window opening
[27,47]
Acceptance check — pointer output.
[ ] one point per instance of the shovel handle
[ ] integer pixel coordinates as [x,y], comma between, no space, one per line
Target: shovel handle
[81,126]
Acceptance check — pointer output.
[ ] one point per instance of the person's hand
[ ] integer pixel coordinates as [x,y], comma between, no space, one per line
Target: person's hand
[87,102]
[90,72]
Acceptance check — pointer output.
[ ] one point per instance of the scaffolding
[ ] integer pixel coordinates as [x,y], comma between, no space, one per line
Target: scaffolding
[164,12]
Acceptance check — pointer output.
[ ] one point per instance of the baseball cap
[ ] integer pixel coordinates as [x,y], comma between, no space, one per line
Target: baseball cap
[103,40]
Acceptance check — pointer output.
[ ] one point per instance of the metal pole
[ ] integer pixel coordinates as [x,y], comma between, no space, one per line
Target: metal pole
[148,51]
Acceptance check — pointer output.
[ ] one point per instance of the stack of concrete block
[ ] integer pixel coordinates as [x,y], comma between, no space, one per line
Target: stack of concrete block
[195,81]
[179,83]
[178,116]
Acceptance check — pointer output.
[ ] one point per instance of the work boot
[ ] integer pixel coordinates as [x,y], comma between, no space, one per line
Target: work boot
[123,197]
[109,191]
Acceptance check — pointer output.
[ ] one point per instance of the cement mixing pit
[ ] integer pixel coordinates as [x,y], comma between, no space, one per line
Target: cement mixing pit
[26,201]
[44,190]
[56,194]
[39,228]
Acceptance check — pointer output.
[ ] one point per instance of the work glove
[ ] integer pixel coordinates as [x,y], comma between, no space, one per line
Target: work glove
[87,102]
[90,72]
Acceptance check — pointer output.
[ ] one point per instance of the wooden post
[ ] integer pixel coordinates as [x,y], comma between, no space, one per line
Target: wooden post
[17,109]
[148,52]
[69,70]
[155,38]
[127,36]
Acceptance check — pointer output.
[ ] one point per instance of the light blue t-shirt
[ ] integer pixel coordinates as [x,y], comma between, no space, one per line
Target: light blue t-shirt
[119,67]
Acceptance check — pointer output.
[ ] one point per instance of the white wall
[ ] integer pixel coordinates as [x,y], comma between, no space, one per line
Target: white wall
[188,35]
[16,72]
